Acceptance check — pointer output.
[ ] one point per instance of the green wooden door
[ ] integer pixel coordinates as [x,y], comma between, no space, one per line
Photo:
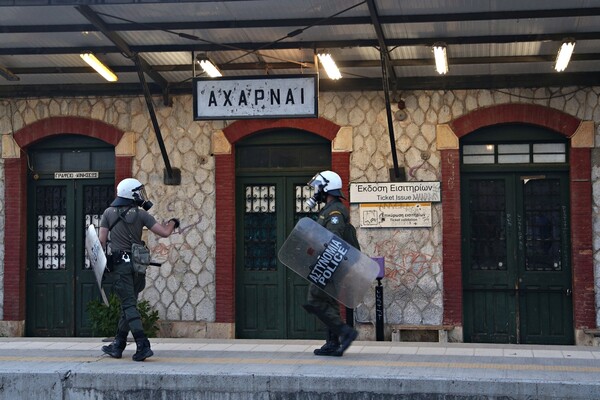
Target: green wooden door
[516,261]
[60,281]
[91,199]
[269,296]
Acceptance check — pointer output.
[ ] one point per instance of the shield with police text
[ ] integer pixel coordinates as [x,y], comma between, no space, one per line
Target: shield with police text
[329,262]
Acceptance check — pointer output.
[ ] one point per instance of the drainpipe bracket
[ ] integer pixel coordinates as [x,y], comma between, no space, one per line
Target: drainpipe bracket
[174,179]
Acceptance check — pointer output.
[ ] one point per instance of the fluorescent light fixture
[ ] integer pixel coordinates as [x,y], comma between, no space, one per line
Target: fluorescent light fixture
[330,68]
[441,60]
[99,67]
[209,68]
[564,55]
[8,74]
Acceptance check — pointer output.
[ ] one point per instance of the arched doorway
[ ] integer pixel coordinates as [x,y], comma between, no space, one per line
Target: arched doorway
[272,169]
[580,135]
[516,270]
[16,197]
[225,191]
[70,183]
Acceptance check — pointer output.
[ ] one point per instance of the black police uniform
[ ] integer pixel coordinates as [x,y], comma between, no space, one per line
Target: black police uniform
[126,224]
[333,217]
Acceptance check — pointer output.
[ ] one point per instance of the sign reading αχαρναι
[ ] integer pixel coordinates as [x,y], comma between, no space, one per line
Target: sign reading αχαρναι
[394,192]
[256,97]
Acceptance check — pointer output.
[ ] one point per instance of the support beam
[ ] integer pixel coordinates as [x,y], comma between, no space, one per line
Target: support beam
[172,177]
[123,47]
[385,55]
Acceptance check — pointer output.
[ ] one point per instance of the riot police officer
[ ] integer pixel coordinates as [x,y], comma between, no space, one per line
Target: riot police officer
[333,216]
[124,220]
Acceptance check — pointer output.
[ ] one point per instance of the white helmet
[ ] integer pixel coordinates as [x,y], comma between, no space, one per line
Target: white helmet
[129,188]
[131,191]
[328,182]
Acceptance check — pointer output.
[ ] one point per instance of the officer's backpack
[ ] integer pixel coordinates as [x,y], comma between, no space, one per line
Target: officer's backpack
[350,235]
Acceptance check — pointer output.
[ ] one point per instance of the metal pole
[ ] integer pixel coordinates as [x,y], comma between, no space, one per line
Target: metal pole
[388,109]
[171,177]
[379,311]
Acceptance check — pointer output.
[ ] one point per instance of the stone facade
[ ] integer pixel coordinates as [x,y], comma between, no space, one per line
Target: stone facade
[183,289]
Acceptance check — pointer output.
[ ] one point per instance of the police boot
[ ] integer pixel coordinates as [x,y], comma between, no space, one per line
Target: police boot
[115,349]
[347,336]
[143,350]
[331,346]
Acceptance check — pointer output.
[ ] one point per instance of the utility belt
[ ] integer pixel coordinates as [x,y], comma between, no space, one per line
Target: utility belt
[139,257]
[121,256]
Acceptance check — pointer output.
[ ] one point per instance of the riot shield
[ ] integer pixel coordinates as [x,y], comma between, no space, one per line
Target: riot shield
[96,256]
[329,262]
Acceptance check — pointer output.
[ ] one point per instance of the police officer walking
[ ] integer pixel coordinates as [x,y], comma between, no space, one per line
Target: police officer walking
[125,220]
[333,217]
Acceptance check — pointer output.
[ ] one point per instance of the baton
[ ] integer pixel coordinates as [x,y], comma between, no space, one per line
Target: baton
[154,264]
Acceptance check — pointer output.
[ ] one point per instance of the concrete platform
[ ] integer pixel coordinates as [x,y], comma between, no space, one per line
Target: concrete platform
[183,369]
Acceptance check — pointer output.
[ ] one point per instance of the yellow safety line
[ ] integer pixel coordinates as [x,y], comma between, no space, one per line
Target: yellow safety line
[320,361]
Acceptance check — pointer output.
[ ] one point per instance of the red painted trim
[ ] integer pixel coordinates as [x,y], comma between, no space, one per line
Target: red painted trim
[15,200]
[225,238]
[243,128]
[451,243]
[520,113]
[582,262]
[581,206]
[225,194]
[15,171]
[45,128]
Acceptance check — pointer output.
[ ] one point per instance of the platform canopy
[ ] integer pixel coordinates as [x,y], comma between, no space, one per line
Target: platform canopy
[488,44]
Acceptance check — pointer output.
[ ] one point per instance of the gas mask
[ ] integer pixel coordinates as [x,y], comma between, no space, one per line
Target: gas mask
[139,197]
[318,197]
[319,183]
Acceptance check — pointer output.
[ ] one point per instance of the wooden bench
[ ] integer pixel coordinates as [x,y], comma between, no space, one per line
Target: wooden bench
[421,333]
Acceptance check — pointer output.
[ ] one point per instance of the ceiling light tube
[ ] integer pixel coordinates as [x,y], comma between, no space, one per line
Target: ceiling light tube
[441,60]
[564,55]
[99,67]
[330,67]
[209,68]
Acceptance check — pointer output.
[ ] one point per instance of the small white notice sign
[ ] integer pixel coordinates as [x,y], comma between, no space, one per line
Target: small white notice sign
[394,192]
[76,175]
[395,215]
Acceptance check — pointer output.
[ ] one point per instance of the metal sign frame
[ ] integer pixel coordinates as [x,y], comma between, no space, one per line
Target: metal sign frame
[277,96]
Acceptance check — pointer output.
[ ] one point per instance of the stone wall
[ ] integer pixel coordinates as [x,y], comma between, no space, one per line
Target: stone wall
[183,288]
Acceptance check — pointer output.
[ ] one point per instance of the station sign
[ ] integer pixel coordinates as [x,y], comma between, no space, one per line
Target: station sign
[395,192]
[395,215]
[278,96]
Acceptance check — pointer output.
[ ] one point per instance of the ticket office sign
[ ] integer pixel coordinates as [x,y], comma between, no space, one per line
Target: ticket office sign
[395,215]
[395,192]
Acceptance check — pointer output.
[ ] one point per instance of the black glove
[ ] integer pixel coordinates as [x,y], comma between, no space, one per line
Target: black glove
[176,221]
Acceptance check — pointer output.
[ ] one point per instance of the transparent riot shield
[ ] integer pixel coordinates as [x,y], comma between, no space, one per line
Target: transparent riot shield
[329,262]
[97,257]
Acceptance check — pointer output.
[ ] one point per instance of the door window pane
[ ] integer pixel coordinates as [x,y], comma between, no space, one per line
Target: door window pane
[514,153]
[76,161]
[488,231]
[260,228]
[542,203]
[478,154]
[51,213]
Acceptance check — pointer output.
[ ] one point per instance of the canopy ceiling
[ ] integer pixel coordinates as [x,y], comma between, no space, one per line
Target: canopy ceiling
[490,44]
